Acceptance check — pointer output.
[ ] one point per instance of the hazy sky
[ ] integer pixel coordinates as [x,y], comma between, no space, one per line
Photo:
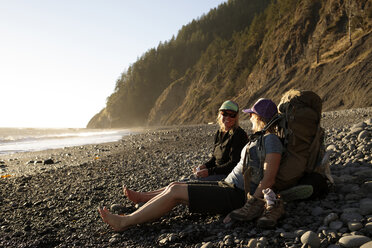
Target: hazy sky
[60,59]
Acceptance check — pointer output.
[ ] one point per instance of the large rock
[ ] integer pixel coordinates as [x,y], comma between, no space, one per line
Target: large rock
[365,207]
[351,214]
[310,238]
[353,241]
[367,245]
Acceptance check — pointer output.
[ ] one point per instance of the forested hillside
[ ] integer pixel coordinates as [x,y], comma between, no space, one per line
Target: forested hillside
[244,50]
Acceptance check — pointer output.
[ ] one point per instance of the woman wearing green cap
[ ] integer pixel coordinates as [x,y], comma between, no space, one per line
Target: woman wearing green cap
[228,144]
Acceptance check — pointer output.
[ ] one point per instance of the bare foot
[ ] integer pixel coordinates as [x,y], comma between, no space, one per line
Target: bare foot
[132,195]
[116,222]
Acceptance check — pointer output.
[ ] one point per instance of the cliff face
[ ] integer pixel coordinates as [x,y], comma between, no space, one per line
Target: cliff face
[315,53]
[303,45]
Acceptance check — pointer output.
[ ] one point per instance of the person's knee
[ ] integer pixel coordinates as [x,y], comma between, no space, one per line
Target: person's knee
[178,191]
[171,185]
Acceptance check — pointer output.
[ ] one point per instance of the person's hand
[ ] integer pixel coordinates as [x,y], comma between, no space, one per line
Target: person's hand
[201,173]
[198,168]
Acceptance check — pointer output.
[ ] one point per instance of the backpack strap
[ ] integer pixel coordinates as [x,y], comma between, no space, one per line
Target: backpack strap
[247,171]
[261,152]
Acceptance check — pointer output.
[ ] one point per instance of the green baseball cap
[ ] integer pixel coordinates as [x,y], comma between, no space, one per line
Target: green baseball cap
[230,105]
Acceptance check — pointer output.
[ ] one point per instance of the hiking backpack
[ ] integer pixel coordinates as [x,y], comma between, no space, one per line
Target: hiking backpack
[302,136]
[298,121]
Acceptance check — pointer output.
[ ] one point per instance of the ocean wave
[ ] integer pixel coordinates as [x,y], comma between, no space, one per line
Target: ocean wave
[24,140]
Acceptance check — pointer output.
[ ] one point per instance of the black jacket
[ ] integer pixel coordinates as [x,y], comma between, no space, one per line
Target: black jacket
[226,152]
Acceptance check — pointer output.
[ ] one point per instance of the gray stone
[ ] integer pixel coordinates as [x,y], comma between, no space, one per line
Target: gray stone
[310,238]
[352,196]
[172,237]
[207,245]
[355,131]
[360,125]
[163,241]
[288,235]
[353,241]
[48,161]
[354,226]
[336,225]
[317,211]
[331,148]
[333,246]
[367,245]
[351,216]
[329,218]
[117,208]
[366,173]
[299,232]
[263,240]
[349,188]
[229,242]
[365,207]
[362,135]
[368,227]
[252,243]
[304,246]
[367,186]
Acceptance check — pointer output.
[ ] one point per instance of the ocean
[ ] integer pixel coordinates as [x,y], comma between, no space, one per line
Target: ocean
[14,140]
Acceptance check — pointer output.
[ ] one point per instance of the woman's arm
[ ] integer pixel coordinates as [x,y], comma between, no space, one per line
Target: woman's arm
[271,167]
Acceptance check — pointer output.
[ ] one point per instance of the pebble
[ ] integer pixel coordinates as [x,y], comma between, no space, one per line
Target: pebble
[329,218]
[288,235]
[367,245]
[118,209]
[207,245]
[310,238]
[317,211]
[354,226]
[362,135]
[353,241]
[368,228]
[351,216]
[48,161]
[367,187]
[365,207]
[252,243]
[336,225]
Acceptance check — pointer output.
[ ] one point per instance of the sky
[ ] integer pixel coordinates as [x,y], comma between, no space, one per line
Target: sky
[60,59]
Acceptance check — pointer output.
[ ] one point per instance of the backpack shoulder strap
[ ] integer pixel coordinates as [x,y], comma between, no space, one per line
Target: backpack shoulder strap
[261,152]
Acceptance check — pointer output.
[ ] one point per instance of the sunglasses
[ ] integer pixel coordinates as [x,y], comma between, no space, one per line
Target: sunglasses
[225,114]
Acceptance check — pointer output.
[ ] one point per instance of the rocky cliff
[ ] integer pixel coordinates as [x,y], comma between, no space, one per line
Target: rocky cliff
[324,46]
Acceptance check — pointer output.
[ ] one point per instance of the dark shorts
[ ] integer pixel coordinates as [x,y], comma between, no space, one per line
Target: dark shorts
[214,197]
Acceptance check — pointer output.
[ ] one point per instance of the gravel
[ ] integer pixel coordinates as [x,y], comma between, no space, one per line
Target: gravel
[53,202]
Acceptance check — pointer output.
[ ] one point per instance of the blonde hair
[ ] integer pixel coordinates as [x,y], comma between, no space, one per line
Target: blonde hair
[261,123]
[220,123]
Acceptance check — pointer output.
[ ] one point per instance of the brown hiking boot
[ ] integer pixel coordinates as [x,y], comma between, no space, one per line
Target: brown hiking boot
[252,209]
[271,215]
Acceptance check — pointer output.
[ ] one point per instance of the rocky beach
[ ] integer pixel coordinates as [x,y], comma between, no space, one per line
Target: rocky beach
[50,198]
